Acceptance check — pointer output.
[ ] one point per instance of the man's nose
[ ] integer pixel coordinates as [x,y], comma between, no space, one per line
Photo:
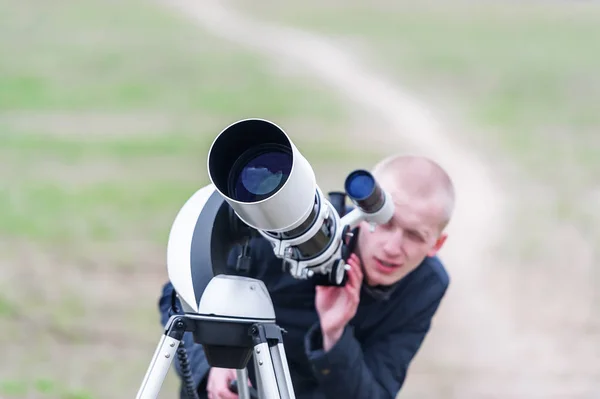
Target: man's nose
[393,243]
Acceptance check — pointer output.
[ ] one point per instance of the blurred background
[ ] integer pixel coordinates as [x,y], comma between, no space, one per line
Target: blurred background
[107,109]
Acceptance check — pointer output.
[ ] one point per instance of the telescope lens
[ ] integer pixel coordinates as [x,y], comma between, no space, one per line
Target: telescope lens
[260,173]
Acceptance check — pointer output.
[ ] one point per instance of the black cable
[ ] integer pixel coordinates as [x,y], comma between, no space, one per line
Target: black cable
[186,370]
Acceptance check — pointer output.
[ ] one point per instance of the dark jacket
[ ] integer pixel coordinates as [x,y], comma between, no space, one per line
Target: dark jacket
[371,358]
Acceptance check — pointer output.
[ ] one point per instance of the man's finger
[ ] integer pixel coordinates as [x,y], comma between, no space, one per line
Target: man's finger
[353,284]
[226,394]
[353,260]
[359,272]
[355,265]
[325,289]
[352,297]
[354,276]
[350,273]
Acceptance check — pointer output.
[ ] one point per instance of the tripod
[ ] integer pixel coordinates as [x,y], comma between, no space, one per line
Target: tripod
[229,340]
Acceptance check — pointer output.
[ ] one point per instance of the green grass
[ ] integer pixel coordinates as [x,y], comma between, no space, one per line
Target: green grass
[114,58]
[71,66]
[518,82]
[525,73]
[107,110]
[43,388]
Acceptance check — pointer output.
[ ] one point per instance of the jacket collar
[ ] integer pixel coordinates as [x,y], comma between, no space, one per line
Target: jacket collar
[380,293]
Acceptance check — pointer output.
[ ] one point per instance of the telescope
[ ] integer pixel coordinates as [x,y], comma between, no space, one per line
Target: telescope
[260,187]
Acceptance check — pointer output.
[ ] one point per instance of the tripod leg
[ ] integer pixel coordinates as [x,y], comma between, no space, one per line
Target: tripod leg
[272,372]
[242,379]
[259,385]
[282,371]
[158,369]
[162,358]
[265,373]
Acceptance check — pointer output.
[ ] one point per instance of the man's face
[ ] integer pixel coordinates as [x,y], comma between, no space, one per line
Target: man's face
[393,250]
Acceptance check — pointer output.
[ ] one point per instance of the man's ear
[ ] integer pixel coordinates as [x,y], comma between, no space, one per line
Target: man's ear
[438,245]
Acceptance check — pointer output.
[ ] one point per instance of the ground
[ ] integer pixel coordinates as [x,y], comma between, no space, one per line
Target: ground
[107,110]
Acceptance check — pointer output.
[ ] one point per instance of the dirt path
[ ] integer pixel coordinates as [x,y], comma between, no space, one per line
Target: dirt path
[471,326]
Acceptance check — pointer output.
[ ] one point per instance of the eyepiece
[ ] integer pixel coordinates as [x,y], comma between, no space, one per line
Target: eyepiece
[364,191]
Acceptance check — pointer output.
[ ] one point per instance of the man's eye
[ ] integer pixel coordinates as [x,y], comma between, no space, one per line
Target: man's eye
[414,235]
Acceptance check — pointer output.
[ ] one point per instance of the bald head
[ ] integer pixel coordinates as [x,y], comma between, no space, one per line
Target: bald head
[421,179]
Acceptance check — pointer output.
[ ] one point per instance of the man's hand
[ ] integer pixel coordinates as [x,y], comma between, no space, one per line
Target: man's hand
[336,306]
[218,382]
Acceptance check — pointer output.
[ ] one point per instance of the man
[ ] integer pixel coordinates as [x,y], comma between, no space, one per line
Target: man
[357,341]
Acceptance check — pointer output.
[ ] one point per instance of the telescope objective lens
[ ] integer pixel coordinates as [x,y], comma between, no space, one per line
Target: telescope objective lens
[259,173]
